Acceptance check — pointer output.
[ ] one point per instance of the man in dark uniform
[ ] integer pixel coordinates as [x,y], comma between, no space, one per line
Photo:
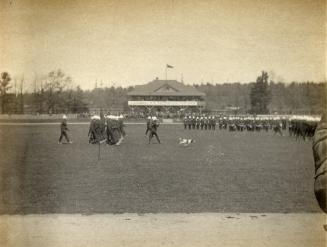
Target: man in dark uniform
[197,122]
[206,122]
[148,125]
[97,130]
[189,122]
[63,130]
[114,135]
[209,122]
[153,129]
[193,122]
[202,123]
[213,123]
[91,134]
[122,125]
[320,157]
[185,122]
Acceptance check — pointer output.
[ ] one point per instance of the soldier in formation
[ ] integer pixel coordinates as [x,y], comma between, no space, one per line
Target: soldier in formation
[301,127]
[199,122]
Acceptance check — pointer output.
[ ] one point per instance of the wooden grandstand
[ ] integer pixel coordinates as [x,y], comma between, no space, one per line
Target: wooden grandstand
[165,96]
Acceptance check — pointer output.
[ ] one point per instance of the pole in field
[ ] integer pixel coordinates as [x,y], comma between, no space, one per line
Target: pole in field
[99,151]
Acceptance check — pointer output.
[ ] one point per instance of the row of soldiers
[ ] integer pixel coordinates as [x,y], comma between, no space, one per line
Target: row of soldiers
[300,127]
[232,123]
[203,122]
[252,125]
[109,129]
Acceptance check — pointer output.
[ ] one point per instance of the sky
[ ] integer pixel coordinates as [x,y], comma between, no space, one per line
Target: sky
[128,42]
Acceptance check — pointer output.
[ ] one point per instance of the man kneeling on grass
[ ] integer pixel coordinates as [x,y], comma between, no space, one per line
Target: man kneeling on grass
[63,130]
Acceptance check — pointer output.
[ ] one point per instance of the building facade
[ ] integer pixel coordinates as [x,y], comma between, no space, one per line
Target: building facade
[165,97]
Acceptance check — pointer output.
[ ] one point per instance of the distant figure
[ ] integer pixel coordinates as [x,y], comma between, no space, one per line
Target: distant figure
[185,142]
[197,122]
[213,123]
[63,130]
[189,122]
[153,129]
[278,129]
[320,154]
[185,122]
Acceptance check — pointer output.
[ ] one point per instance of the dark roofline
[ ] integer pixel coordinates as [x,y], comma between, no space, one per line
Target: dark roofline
[150,88]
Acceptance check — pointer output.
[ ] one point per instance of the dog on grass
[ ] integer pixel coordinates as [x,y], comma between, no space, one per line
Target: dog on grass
[185,142]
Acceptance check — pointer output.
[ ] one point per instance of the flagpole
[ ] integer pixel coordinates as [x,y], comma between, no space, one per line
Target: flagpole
[166,72]
[99,151]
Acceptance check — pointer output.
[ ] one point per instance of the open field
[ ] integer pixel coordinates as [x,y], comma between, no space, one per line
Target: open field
[222,172]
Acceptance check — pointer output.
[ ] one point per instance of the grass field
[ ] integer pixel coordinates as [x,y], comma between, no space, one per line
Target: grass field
[222,172]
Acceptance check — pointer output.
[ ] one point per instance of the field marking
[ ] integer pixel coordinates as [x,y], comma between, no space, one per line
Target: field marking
[202,229]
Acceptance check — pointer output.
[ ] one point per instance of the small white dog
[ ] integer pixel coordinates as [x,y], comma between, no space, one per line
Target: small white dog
[185,142]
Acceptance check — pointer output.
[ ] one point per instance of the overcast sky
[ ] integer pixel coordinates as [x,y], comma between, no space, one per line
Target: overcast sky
[130,42]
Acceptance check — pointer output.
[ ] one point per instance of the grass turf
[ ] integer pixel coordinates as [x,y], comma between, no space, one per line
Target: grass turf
[221,172]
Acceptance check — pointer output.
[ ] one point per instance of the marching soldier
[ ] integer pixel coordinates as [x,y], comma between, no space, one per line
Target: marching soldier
[213,123]
[153,129]
[189,122]
[193,122]
[121,125]
[63,130]
[185,122]
[148,124]
[206,123]
[91,134]
[197,122]
[201,123]
[114,135]
[97,130]
[209,122]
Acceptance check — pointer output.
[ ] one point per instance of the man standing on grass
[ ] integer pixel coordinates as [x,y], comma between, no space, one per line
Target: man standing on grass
[197,122]
[63,130]
[153,129]
[185,122]
[122,125]
[189,122]
[148,125]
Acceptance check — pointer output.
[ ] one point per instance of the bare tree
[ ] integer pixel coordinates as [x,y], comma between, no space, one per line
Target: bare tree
[54,85]
[4,87]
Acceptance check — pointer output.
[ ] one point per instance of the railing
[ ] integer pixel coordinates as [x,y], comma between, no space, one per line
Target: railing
[37,116]
[165,103]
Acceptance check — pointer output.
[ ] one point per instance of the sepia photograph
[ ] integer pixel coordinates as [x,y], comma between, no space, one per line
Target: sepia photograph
[173,123]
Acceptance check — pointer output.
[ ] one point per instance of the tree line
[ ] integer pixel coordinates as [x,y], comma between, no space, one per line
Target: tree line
[54,93]
[266,96]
